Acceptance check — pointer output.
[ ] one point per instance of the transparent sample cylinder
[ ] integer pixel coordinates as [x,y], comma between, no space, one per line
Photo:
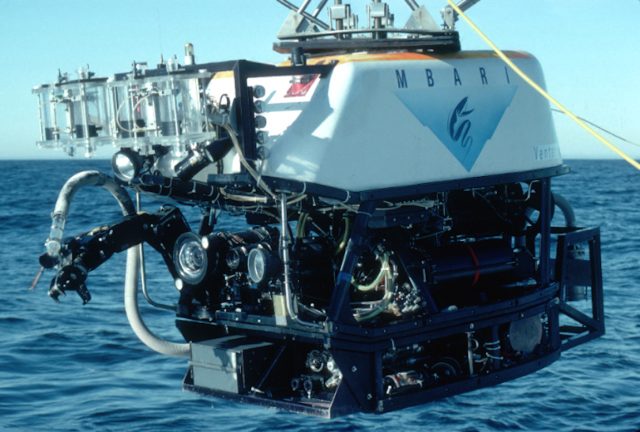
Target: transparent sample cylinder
[127,123]
[169,112]
[73,115]
[49,133]
[159,107]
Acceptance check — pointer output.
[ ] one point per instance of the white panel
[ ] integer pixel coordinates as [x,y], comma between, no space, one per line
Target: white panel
[385,121]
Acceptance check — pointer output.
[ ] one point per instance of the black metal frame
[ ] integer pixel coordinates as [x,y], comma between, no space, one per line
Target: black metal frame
[412,191]
[590,327]
[441,42]
[358,350]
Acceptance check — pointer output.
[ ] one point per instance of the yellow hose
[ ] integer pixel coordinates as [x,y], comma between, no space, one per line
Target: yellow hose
[540,90]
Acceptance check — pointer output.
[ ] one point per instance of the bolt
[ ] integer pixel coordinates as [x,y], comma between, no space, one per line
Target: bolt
[258,91]
[260,122]
[354,369]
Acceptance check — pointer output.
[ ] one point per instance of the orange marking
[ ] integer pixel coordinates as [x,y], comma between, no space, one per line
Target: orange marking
[476,263]
[406,56]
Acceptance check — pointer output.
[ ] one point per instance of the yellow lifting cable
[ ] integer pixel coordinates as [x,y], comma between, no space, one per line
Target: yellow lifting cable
[540,90]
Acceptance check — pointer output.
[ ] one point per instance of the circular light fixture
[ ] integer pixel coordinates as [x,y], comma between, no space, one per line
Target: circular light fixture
[236,259]
[126,165]
[257,265]
[261,265]
[190,258]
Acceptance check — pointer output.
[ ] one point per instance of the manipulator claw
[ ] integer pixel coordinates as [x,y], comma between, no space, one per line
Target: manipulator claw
[62,256]
[70,278]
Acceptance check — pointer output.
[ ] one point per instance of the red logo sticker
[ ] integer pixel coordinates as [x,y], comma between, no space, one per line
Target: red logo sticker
[301,85]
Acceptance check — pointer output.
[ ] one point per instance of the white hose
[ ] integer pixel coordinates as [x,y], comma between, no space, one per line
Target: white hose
[69,189]
[92,178]
[133,313]
[567,211]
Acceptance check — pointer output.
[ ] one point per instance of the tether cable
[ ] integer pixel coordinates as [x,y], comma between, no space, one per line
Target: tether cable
[540,90]
[608,132]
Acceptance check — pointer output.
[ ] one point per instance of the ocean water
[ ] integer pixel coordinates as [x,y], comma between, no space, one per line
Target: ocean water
[71,367]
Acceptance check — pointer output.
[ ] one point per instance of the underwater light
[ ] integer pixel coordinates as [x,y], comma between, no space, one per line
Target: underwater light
[126,165]
[190,258]
[261,265]
[236,259]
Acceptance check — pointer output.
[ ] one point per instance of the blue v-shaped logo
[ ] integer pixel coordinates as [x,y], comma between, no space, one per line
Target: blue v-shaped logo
[465,126]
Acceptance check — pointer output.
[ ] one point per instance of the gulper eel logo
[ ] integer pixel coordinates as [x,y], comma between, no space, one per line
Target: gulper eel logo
[466,129]
[459,128]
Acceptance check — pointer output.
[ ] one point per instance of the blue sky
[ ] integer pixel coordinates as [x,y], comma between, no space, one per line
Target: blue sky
[588,50]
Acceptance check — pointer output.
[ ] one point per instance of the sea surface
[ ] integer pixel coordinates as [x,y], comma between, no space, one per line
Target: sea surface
[70,367]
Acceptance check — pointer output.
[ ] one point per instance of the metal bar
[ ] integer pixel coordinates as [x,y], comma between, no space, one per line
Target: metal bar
[580,317]
[379,388]
[267,373]
[288,5]
[311,18]
[303,6]
[564,243]
[317,11]
[545,230]
[285,242]
[143,271]
[358,374]
[246,119]
[447,185]
[553,315]
[456,321]
[387,30]
[466,4]
[339,310]
[581,235]
[567,344]
[573,329]
[272,71]
[597,295]
[561,265]
[471,383]
[413,4]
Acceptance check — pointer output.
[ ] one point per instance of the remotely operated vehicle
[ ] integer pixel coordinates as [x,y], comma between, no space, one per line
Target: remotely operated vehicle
[397,196]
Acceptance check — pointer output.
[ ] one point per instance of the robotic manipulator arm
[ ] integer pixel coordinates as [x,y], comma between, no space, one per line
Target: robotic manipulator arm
[86,252]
